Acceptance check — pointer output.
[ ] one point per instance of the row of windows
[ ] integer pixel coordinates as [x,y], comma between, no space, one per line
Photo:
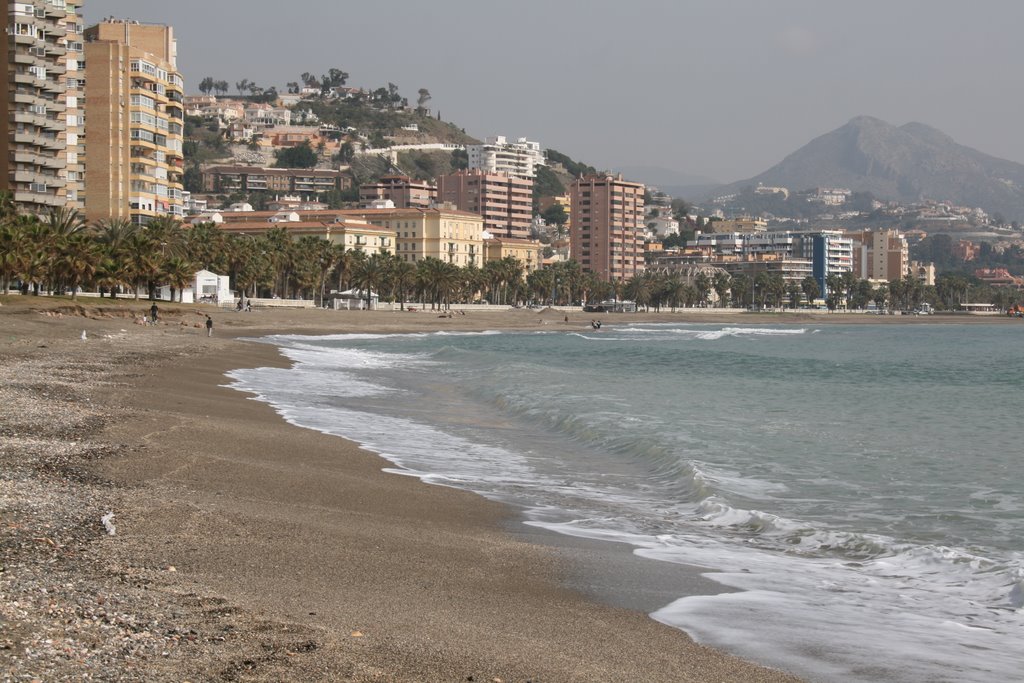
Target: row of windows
[142,66]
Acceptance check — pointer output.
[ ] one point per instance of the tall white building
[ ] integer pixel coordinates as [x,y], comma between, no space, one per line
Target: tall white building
[497,155]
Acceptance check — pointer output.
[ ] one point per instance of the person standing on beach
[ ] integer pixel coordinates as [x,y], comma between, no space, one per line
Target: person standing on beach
[209,325]
[153,310]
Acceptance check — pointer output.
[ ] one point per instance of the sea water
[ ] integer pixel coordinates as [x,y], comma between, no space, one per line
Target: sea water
[858,487]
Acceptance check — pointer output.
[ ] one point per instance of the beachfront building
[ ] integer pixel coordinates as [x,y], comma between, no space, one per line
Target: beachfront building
[527,252]
[880,255]
[134,106]
[746,244]
[40,108]
[351,233]
[497,155]
[607,232]
[505,202]
[443,233]
[402,191]
[831,253]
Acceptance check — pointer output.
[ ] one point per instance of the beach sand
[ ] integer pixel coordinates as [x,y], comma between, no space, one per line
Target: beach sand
[247,549]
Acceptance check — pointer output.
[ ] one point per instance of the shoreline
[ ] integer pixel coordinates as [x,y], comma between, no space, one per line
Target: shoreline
[234,559]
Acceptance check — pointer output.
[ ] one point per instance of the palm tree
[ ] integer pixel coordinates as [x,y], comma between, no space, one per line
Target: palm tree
[142,261]
[111,274]
[703,283]
[63,222]
[492,275]
[741,288]
[13,246]
[177,272]
[539,283]
[512,273]
[721,284]
[674,291]
[638,289]
[33,268]
[403,275]
[79,259]
[776,286]
[369,275]
[810,288]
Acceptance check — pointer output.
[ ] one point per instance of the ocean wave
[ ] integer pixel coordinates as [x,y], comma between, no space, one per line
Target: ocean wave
[712,335]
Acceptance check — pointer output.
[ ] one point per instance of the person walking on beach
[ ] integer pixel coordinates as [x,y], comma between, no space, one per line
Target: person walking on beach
[209,325]
[153,310]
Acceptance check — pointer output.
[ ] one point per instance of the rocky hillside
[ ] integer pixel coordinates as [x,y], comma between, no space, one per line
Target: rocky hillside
[906,163]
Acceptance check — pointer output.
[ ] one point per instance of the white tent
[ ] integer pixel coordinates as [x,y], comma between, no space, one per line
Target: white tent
[353,299]
[206,287]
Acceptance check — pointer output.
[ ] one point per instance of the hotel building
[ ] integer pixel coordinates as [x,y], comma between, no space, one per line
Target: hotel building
[527,252]
[608,226]
[40,162]
[505,202]
[449,235]
[133,102]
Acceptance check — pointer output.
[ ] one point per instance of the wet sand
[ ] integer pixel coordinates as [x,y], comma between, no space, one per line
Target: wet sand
[249,549]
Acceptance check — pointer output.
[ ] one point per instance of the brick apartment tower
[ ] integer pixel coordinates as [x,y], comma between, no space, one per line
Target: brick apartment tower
[133,103]
[39,105]
[504,201]
[607,226]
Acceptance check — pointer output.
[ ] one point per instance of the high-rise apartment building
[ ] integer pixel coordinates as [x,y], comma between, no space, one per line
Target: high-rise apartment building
[880,254]
[498,155]
[133,104]
[607,226]
[39,105]
[504,201]
[832,254]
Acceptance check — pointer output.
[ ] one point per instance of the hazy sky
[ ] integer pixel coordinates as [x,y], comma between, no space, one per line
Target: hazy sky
[721,88]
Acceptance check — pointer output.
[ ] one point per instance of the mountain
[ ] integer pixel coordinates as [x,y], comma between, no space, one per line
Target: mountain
[906,163]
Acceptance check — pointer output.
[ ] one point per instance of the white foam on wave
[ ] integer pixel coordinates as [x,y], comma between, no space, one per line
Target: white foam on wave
[833,620]
[712,335]
[655,333]
[930,609]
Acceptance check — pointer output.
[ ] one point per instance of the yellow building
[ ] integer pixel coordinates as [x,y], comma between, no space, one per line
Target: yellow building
[447,234]
[40,94]
[353,234]
[527,252]
[133,103]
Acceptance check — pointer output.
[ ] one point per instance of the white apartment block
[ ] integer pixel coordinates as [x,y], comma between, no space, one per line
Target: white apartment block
[497,155]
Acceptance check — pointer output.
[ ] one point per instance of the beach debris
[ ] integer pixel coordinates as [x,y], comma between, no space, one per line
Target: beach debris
[108,524]
[84,336]
[357,634]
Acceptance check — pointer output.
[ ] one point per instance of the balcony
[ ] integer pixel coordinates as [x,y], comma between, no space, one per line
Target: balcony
[47,199]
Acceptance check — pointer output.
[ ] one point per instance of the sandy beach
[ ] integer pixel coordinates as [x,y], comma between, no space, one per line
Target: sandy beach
[246,549]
